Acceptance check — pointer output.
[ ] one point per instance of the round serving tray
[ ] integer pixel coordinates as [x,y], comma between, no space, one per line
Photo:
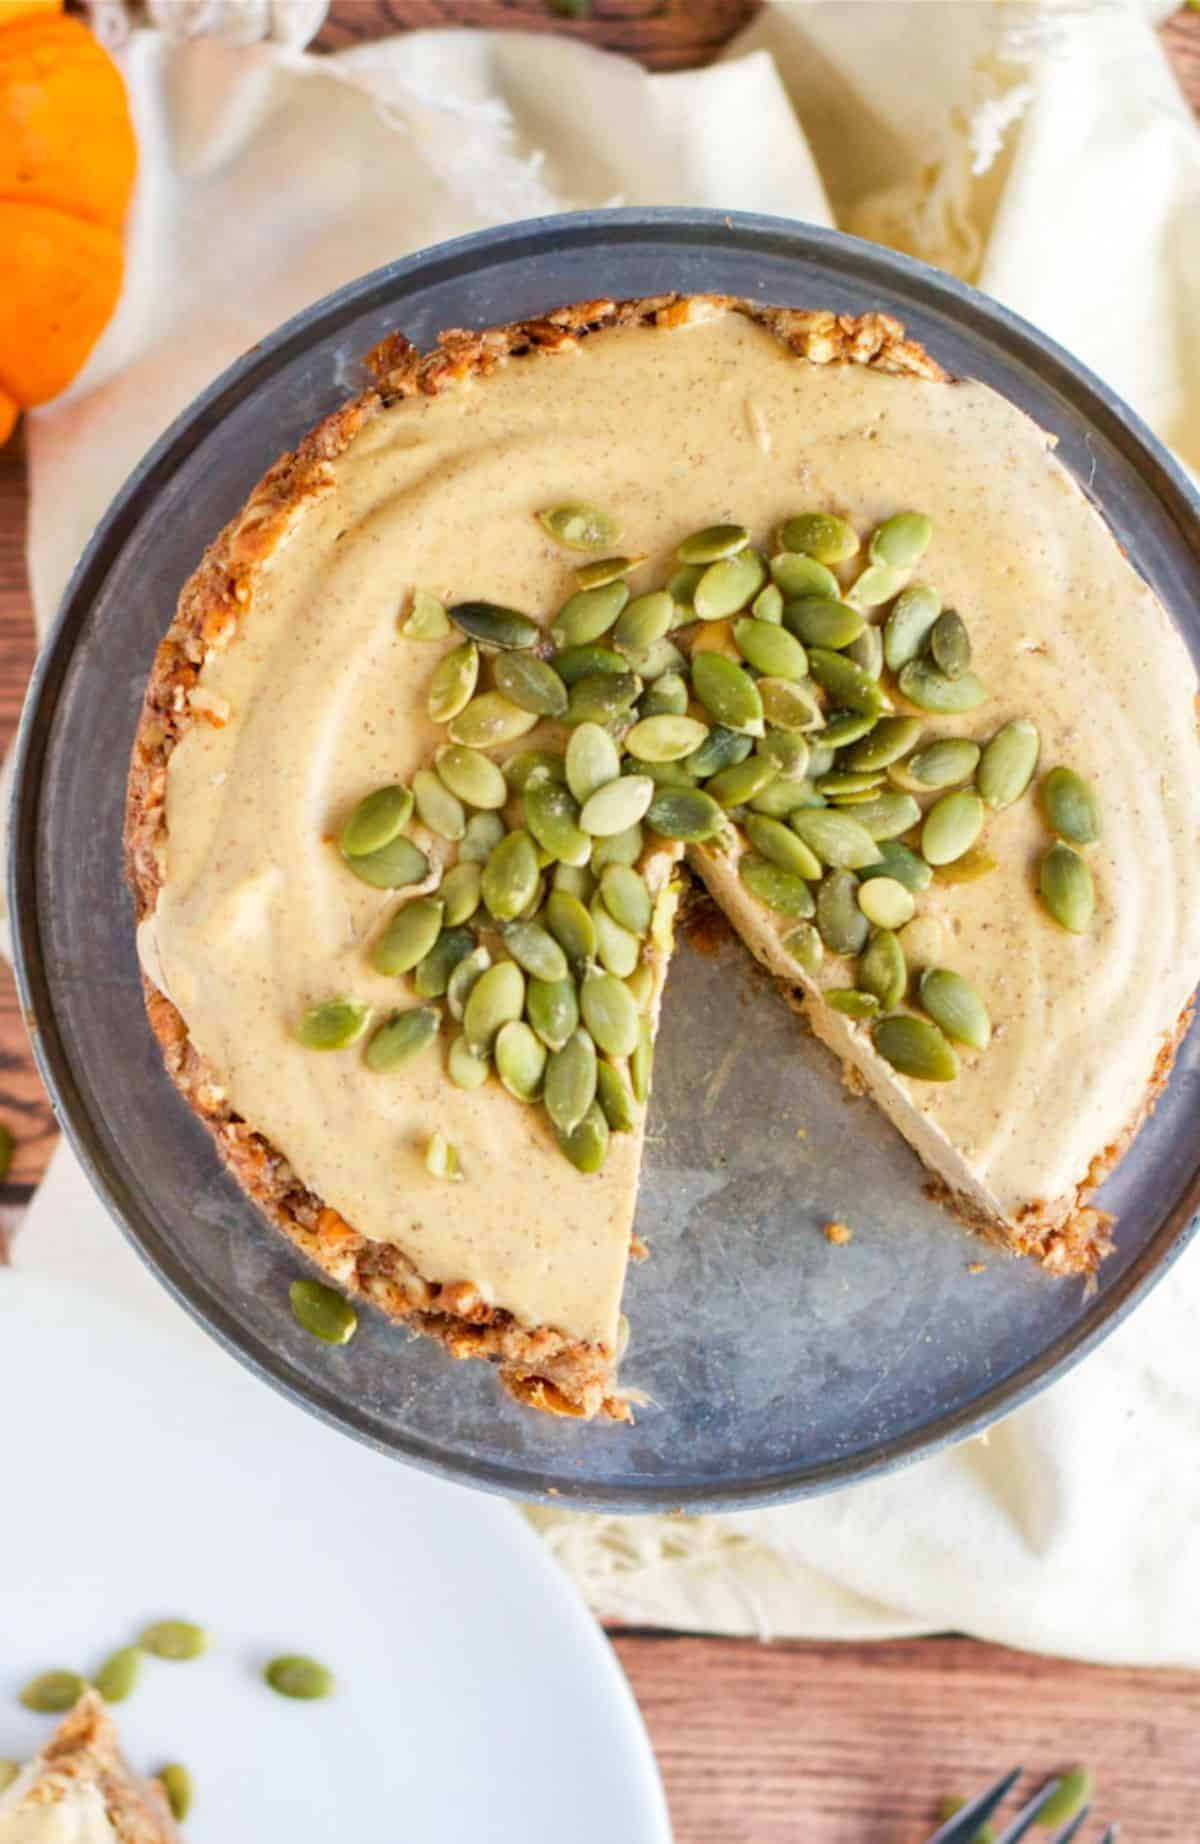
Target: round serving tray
[773,1364]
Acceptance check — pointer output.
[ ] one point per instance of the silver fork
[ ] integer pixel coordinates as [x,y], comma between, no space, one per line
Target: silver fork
[967,1820]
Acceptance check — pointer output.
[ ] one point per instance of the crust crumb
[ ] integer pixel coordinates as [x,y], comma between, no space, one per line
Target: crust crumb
[838,1233]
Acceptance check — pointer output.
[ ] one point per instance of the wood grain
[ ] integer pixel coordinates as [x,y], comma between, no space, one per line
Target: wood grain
[758,1745]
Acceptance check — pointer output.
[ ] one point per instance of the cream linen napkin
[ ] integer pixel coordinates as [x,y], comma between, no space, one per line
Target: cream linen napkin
[1045,154]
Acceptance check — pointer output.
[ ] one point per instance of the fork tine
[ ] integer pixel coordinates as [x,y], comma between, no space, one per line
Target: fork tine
[1028,1814]
[966,1821]
[1110,1836]
[1068,1832]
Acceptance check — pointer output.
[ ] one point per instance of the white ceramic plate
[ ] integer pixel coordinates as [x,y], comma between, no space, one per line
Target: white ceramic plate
[146,1475]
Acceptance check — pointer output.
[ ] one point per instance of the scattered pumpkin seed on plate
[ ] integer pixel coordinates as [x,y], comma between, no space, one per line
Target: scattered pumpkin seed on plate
[118,1675]
[52,1692]
[176,1784]
[294,1675]
[180,1639]
[323,1314]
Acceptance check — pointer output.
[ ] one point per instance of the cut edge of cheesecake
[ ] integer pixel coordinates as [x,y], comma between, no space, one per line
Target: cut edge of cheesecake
[82,1761]
[538,1365]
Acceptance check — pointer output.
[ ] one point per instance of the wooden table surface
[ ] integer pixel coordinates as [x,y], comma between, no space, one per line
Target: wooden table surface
[813,1744]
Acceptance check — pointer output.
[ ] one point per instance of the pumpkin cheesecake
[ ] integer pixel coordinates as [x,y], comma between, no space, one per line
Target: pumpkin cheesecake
[81,1790]
[549,618]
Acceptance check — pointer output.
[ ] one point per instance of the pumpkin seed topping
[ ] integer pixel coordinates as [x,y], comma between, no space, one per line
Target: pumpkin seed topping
[409,936]
[882,969]
[1008,763]
[495,626]
[951,826]
[586,1146]
[891,738]
[844,928]
[886,902]
[915,1047]
[770,649]
[823,621]
[472,777]
[956,1007]
[924,685]
[333,1024]
[530,683]
[950,644]
[804,945]
[796,574]
[665,739]
[376,821]
[580,527]
[402,1037]
[1071,807]
[902,540]
[605,570]
[615,1098]
[878,584]
[521,1059]
[441,1158]
[728,586]
[588,615]
[1066,888]
[713,543]
[908,625]
[490,718]
[571,1081]
[821,535]
[686,814]
[944,764]
[852,1003]
[786,892]
[427,618]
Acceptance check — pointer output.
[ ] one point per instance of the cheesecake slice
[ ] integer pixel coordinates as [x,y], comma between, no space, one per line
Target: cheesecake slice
[585,524]
[81,1790]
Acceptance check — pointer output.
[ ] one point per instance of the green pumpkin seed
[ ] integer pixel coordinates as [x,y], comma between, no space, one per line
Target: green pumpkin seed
[967,869]
[619,848]
[496,997]
[176,1783]
[1008,762]
[844,928]
[686,814]
[602,699]
[915,1047]
[519,769]
[930,690]
[728,586]
[641,984]
[768,604]
[489,719]
[846,682]
[586,1146]
[778,843]
[495,626]
[1066,888]
[182,1640]
[666,697]
[1071,807]
[891,738]
[293,1675]
[465,1069]
[787,751]
[484,832]
[665,739]
[823,621]
[781,798]
[333,1024]
[453,683]
[376,821]
[552,816]
[681,584]
[576,663]
[626,898]
[797,575]
[956,1007]
[570,1086]
[610,1014]
[392,867]
[720,749]
[840,782]
[641,1065]
[886,903]
[605,570]
[593,760]
[572,927]
[923,941]
[643,621]
[535,950]
[118,1675]
[520,1060]
[771,650]
[951,826]
[588,615]
[902,540]
[409,936]
[53,1691]
[552,1008]
[658,660]
[471,777]
[460,894]
[821,535]
[463,980]
[510,876]
[615,1098]
[882,969]
[9,1771]
[580,527]
[728,693]
[669,774]
[531,684]
[838,840]
[950,644]
[402,1037]
[617,806]
[887,815]
[878,584]
[1072,1792]
[852,1003]
[783,891]
[908,626]
[713,543]
[577,880]
[804,945]
[867,651]
[617,948]
[733,787]
[946,763]
[789,705]
[901,863]
[437,808]
[841,728]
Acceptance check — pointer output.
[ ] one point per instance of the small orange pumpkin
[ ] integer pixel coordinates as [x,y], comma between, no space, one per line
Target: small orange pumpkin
[67,163]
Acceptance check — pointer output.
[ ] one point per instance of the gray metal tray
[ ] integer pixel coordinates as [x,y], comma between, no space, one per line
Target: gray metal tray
[775,1365]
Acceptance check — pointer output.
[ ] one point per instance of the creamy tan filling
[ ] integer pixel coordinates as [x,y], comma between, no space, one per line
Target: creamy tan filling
[669,430]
